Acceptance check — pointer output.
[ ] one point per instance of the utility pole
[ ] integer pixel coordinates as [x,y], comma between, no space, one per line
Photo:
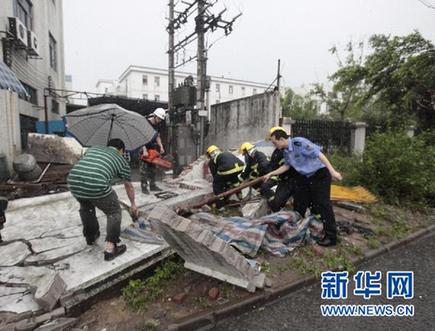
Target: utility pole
[171,70]
[201,76]
[205,21]
[278,75]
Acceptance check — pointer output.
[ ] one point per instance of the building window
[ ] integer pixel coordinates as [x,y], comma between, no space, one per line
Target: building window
[230,89]
[55,106]
[144,80]
[156,97]
[217,101]
[243,90]
[33,93]
[157,81]
[254,91]
[24,11]
[106,90]
[218,88]
[145,96]
[27,125]
[53,51]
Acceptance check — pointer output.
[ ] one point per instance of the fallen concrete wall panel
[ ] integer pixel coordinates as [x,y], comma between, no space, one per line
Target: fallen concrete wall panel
[203,252]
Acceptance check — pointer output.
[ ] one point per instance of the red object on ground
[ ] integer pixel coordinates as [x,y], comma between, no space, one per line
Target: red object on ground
[213,293]
[179,298]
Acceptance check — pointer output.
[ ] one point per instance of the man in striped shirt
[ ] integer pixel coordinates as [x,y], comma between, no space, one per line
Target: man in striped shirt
[90,182]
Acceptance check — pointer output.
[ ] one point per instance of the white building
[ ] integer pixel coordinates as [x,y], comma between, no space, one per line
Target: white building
[152,84]
[31,34]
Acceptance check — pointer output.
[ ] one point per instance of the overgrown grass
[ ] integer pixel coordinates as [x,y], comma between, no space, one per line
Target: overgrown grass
[373,243]
[348,166]
[139,292]
[390,222]
[306,262]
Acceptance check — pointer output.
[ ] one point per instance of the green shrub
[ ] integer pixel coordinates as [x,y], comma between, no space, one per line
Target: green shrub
[139,292]
[399,168]
[348,166]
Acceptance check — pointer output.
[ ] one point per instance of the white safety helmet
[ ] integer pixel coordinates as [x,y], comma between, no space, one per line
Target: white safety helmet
[160,113]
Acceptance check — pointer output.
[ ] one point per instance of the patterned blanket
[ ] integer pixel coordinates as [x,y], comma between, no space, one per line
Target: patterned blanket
[277,233]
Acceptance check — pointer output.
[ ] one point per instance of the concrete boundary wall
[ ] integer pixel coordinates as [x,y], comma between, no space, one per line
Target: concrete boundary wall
[246,119]
[10,135]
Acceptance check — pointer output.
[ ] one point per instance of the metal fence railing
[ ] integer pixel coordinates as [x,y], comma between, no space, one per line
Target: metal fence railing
[331,135]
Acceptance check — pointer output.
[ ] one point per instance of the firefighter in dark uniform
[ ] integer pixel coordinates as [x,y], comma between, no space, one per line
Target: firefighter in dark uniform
[284,183]
[225,168]
[147,169]
[257,165]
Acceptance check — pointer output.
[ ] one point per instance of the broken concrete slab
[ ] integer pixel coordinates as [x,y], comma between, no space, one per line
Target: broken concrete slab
[46,285]
[23,276]
[59,312]
[7,291]
[59,324]
[13,253]
[52,243]
[19,304]
[55,255]
[51,224]
[49,291]
[25,325]
[203,252]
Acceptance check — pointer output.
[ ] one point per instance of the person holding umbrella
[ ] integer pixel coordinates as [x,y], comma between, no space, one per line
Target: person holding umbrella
[90,180]
[151,150]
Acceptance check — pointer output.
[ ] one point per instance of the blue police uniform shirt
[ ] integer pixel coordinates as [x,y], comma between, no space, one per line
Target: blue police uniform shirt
[303,155]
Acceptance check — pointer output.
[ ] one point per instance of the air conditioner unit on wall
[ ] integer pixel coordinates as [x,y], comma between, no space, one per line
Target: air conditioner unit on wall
[32,43]
[18,30]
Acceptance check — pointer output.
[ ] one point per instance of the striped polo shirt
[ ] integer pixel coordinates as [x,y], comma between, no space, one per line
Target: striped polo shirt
[91,177]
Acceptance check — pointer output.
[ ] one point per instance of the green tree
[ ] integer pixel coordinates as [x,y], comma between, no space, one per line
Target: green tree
[347,84]
[299,107]
[400,75]
[395,83]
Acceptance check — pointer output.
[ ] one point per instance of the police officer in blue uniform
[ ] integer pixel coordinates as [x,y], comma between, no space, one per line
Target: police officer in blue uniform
[313,182]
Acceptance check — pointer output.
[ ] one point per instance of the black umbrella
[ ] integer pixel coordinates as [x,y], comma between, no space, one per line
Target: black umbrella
[96,125]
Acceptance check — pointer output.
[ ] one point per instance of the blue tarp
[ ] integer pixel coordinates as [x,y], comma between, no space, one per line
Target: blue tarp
[57,127]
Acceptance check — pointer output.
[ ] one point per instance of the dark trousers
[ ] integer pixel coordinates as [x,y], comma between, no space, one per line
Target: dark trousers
[284,190]
[315,192]
[3,206]
[110,207]
[147,174]
[222,184]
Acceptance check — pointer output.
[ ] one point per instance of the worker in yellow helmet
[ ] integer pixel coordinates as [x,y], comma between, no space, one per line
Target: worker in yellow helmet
[225,168]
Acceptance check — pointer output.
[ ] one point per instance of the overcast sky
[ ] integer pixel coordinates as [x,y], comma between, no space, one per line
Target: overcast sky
[103,37]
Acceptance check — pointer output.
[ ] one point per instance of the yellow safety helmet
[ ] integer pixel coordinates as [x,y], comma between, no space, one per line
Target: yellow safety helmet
[245,147]
[275,128]
[212,149]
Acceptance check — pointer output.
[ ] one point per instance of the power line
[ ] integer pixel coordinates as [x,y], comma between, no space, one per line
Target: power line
[205,22]
[427,4]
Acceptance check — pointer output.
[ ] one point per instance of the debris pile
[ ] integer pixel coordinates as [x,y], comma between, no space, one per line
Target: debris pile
[44,168]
